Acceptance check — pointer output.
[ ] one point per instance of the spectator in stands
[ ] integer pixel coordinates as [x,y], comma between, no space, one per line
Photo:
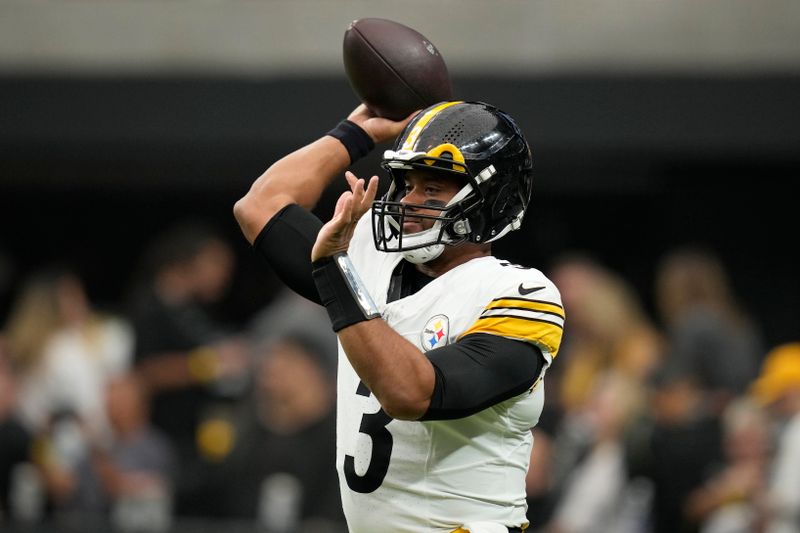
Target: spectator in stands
[284,457]
[593,496]
[609,329]
[778,387]
[123,481]
[710,336]
[135,472]
[610,339]
[64,350]
[675,448]
[284,312]
[731,498]
[189,360]
[15,440]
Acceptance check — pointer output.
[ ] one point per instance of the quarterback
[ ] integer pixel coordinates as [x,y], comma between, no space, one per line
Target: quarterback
[442,346]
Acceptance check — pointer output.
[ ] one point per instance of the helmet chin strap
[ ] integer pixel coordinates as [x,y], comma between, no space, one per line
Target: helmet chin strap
[432,251]
[423,255]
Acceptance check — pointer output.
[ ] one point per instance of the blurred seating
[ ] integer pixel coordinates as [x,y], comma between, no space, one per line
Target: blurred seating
[610,346]
[15,442]
[284,453]
[191,362]
[63,352]
[142,422]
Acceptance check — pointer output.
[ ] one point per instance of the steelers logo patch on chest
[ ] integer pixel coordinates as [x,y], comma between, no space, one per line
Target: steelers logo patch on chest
[435,333]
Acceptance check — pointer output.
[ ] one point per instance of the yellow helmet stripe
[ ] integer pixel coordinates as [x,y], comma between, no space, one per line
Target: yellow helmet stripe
[413,135]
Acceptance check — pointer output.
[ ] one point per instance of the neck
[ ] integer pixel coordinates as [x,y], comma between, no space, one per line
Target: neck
[453,256]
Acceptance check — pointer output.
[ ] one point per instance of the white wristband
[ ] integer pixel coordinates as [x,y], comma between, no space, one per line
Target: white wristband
[356,286]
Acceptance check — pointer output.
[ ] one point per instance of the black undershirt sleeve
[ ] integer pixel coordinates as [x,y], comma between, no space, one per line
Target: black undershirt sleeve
[479,371]
[285,243]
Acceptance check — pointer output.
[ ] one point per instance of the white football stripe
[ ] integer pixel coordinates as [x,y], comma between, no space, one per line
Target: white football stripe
[527,314]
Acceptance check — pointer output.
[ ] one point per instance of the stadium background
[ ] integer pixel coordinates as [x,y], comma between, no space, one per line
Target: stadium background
[653,125]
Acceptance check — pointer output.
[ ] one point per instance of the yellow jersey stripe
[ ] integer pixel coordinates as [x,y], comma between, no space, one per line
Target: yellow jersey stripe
[413,135]
[540,332]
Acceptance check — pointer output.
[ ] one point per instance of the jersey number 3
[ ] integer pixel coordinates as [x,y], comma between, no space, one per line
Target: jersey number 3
[373,425]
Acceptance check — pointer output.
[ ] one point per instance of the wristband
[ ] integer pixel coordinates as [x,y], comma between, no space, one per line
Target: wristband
[357,141]
[342,292]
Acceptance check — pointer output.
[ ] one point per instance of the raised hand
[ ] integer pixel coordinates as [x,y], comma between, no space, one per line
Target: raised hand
[378,128]
[335,235]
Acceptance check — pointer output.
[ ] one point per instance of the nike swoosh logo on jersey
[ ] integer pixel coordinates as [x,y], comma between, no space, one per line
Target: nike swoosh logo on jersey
[523,290]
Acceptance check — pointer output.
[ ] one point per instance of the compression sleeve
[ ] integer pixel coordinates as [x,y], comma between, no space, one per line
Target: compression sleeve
[285,243]
[479,371]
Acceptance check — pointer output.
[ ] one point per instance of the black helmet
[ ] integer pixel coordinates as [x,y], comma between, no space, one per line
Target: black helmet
[472,140]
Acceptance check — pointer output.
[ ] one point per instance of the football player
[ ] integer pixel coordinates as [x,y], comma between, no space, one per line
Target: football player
[442,347]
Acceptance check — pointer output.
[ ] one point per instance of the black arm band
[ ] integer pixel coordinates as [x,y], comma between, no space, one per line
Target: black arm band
[286,242]
[357,141]
[479,371]
[342,292]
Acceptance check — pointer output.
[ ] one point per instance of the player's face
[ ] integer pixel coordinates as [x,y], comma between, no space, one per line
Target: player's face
[424,187]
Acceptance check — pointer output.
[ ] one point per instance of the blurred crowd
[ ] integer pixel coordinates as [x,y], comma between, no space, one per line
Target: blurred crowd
[161,417]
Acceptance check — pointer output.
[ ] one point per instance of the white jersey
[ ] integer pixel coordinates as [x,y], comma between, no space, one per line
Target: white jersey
[435,476]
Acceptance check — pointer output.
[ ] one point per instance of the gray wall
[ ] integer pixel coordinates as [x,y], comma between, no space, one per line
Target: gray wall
[274,37]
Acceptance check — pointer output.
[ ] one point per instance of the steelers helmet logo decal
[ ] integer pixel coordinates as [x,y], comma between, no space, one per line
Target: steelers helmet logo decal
[436,333]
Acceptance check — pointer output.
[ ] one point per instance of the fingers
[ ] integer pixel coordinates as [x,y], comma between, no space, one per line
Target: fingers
[378,128]
[352,180]
[360,113]
[356,186]
[408,119]
[363,195]
[343,212]
[372,190]
[347,211]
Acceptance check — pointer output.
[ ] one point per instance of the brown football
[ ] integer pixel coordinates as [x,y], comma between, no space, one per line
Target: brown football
[394,69]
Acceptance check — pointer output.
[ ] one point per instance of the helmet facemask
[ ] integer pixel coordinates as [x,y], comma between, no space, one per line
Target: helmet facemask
[480,145]
[451,220]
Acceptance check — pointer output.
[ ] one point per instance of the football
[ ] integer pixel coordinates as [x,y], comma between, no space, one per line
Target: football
[394,69]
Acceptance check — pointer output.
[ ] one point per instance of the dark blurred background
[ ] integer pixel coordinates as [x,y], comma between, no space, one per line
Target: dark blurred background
[627,166]
[652,126]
